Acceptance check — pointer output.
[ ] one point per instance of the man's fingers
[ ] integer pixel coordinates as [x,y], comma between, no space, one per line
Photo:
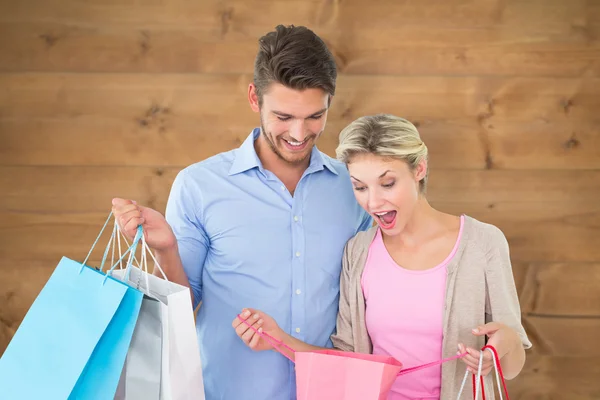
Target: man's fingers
[132,225]
[123,212]
[118,202]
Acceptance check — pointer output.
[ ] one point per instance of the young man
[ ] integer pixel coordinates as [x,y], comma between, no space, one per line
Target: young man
[263,225]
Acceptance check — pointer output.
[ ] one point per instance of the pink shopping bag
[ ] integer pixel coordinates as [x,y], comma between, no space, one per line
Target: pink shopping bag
[332,374]
[339,375]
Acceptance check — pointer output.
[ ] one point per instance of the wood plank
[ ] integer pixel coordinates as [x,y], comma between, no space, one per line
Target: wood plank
[216,15]
[423,50]
[168,140]
[561,308]
[349,14]
[90,141]
[58,190]
[568,290]
[565,337]
[417,98]
[556,378]
[172,119]
[21,283]
[537,230]
[487,189]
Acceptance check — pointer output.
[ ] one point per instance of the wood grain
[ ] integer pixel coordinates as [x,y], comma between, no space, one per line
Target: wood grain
[523,15]
[220,97]
[566,290]
[557,378]
[422,49]
[172,120]
[166,140]
[565,337]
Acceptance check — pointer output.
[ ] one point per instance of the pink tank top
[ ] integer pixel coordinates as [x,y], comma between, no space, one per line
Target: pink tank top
[404,317]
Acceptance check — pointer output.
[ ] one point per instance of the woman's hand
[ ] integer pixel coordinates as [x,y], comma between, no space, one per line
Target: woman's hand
[263,323]
[503,338]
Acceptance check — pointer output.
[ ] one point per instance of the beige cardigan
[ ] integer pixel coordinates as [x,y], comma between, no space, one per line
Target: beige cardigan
[480,288]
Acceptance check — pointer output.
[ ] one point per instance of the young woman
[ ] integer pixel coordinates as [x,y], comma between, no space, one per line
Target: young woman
[420,285]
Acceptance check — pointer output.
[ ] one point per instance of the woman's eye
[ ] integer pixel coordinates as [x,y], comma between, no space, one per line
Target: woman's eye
[359,189]
[388,185]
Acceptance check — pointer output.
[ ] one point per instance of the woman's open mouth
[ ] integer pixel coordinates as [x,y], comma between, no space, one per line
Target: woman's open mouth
[387,219]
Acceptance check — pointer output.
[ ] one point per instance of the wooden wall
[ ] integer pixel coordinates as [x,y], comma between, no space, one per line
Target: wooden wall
[104,98]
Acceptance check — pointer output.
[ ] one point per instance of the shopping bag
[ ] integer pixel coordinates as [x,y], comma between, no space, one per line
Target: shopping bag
[331,374]
[74,338]
[340,375]
[141,375]
[181,373]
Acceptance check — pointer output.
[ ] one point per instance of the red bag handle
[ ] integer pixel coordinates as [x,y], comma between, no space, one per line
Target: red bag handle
[499,375]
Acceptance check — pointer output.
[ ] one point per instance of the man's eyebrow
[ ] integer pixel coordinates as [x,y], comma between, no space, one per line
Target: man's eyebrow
[318,112]
[282,114]
[286,115]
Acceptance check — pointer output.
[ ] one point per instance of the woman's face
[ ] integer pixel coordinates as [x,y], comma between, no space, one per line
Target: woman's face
[386,188]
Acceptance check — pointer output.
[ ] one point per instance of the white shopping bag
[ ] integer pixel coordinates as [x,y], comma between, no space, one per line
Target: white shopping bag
[181,375]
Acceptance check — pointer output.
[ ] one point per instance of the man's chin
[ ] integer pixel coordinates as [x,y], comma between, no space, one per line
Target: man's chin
[294,158]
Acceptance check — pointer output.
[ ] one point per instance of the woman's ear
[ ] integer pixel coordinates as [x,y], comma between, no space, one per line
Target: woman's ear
[421,170]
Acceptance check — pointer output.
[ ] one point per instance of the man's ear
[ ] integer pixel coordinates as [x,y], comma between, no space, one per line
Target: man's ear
[253,98]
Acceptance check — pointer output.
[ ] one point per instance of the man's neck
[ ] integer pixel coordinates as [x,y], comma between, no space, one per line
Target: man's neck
[289,174]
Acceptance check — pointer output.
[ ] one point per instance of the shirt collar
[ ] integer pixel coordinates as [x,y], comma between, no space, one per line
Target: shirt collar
[245,156]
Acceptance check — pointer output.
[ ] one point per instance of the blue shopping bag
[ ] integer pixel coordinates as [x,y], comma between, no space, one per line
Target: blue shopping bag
[73,341]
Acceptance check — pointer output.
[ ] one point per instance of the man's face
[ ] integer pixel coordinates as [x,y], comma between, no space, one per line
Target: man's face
[292,120]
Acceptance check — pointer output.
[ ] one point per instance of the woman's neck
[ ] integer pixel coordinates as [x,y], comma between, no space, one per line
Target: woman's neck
[424,223]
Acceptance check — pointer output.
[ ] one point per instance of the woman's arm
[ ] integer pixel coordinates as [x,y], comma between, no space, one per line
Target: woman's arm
[505,331]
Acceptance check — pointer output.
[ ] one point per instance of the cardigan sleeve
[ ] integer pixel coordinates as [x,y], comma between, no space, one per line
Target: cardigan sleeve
[343,339]
[502,301]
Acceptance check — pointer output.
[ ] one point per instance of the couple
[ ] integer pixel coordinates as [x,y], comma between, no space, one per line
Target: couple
[280,227]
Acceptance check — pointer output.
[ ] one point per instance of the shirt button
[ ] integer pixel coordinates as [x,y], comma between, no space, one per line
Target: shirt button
[298,291]
[297,330]
[296,218]
[297,254]
[283,188]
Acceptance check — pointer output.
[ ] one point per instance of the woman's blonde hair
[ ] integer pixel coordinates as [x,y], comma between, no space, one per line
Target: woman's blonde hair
[383,135]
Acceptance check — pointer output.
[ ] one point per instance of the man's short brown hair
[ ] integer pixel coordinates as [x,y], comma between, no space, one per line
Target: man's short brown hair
[295,57]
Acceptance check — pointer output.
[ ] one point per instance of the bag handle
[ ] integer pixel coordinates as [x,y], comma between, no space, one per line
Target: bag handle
[277,345]
[477,379]
[431,364]
[130,250]
[143,262]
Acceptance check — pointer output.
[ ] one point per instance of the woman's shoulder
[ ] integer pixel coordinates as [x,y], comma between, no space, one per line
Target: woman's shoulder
[483,235]
[357,246]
